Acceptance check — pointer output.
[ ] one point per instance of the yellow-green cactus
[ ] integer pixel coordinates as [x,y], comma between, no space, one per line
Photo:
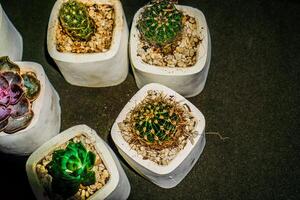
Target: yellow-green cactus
[75,20]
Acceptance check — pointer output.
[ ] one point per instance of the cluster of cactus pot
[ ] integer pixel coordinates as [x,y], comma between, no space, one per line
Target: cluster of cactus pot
[18,90]
[157,121]
[75,20]
[160,24]
[70,168]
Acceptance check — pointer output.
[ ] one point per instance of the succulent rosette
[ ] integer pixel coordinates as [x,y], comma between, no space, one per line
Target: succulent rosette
[18,90]
[71,167]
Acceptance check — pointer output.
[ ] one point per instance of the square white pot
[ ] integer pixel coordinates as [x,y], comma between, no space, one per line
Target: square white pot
[188,81]
[93,69]
[46,120]
[117,187]
[165,176]
[11,42]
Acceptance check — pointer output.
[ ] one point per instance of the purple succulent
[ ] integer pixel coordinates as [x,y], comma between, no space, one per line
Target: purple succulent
[17,92]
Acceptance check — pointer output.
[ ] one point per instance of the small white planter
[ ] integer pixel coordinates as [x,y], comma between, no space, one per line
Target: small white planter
[11,42]
[165,176]
[117,187]
[188,81]
[45,123]
[93,69]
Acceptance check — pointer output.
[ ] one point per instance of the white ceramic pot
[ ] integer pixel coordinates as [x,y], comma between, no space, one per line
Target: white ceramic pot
[188,81]
[165,176]
[93,69]
[45,123]
[11,42]
[117,187]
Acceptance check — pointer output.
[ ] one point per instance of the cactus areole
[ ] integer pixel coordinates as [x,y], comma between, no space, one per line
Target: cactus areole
[160,23]
[75,21]
[18,90]
[70,168]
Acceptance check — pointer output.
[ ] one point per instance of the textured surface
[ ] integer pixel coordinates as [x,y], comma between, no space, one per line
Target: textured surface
[251,95]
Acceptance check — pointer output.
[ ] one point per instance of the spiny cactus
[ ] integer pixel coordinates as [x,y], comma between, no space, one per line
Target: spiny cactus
[160,23]
[18,90]
[71,167]
[157,121]
[75,20]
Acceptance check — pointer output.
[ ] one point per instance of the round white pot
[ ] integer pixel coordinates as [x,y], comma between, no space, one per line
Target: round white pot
[11,42]
[93,69]
[165,176]
[45,123]
[188,81]
[117,187]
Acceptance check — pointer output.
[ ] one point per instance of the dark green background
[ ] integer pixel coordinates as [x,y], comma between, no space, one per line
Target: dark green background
[251,96]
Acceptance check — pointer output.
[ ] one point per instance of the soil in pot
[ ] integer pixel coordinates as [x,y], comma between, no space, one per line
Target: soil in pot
[168,37]
[85,27]
[88,186]
[19,88]
[159,127]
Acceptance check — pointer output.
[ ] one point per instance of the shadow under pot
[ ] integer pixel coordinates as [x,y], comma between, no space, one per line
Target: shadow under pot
[29,107]
[160,134]
[170,44]
[76,164]
[88,41]
[11,42]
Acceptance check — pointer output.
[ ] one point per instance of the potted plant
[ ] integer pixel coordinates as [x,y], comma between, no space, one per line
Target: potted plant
[29,105]
[88,41]
[76,164]
[11,42]
[170,45]
[160,134]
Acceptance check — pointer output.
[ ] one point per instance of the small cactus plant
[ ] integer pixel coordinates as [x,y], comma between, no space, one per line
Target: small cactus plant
[70,168]
[157,121]
[160,23]
[75,21]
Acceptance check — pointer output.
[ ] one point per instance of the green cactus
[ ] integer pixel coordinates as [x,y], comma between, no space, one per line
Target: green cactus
[157,121]
[75,20]
[71,167]
[160,23]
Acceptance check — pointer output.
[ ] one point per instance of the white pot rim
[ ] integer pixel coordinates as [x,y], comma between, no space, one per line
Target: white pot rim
[37,104]
[148,164]
[1,15]
[85,57]
[63,137]
[174,71]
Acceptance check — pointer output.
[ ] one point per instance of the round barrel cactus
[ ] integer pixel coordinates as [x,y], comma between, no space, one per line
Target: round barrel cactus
[160,23]
[18,90]
[71,167]
[157,121]
[75,20]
